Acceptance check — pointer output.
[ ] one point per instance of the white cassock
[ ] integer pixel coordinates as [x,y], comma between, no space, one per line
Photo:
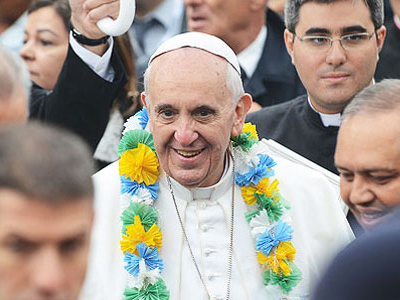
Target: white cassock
[320,231]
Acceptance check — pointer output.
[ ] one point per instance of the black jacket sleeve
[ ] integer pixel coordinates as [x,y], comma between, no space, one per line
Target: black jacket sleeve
[81,100]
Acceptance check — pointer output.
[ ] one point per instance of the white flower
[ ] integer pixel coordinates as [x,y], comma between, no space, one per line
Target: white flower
[240,156]
[144,196]
[125,201]
[145,276]
[131,124]
[260,223]
[246,160]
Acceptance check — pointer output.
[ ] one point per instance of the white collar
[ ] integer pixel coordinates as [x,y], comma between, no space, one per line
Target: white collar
[213,191]
[249,57]
[327,119]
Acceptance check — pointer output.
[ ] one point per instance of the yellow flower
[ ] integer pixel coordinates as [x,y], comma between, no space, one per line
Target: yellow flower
[248,127]
[248,194]
[136,234]
[262,186]
[285,251]
[272,188]
[262,258]
[140,164]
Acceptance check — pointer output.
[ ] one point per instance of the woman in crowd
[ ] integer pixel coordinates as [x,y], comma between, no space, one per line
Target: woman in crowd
[44,51]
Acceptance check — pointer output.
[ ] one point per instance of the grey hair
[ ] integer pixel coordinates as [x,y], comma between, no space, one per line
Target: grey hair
[46,163]
[233,82]
[378,98]
[292,10]
[13,75]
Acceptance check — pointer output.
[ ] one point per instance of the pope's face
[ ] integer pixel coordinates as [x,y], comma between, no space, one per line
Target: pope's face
[368,159]
[43,248]
[192,115]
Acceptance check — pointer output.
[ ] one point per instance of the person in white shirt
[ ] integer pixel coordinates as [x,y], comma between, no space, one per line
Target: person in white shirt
[207,243]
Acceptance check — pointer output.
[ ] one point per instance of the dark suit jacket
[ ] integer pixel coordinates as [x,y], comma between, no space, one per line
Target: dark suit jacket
[275,79]
[389,58]
[80,101]
[297,126]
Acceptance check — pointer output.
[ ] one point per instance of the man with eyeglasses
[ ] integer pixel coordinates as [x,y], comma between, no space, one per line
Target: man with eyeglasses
[335,47]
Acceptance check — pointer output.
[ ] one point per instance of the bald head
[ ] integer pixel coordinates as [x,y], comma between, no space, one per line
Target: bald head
[196,52]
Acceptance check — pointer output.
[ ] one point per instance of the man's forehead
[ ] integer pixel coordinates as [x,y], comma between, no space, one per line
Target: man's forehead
[337,16]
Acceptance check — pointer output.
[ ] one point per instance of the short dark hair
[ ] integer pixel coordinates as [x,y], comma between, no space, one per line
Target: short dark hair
[292,9]
[46,163]
[61,6]
[381,97]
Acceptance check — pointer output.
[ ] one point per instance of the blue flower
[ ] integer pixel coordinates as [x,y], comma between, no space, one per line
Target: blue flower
[149,255]
[254,175]
[266,161]
[268,240]
[143,117]
[132,187]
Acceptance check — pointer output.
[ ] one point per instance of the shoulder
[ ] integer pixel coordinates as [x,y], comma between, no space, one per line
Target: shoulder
[369,263]
[276,112]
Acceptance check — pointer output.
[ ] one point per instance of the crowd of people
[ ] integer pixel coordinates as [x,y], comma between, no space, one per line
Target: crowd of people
[142,167]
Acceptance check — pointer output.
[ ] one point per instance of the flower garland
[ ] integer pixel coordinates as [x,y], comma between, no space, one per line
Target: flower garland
[142,238]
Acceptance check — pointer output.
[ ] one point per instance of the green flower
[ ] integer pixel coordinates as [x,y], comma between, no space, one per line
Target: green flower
[157,291]
[274,209]
[131,139]
[286,283]
[148,215]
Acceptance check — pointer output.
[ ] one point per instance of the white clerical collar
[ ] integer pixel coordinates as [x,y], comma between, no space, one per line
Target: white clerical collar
[327,119]
[203,193]
[249,57]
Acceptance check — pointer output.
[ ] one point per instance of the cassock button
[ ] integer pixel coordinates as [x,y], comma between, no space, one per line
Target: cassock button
[208,252]
[202,205]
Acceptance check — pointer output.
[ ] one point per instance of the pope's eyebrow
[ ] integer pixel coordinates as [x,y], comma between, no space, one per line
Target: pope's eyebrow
[161,107]
[205,107]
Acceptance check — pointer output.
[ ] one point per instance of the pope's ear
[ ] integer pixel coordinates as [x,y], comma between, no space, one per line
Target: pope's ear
[143,97]
[242,107]
[146,104]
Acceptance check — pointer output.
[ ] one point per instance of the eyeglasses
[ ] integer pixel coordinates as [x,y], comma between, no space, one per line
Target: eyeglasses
[348,41]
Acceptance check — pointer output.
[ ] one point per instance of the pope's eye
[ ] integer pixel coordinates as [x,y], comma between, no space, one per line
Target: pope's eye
[167,113]
[203,113]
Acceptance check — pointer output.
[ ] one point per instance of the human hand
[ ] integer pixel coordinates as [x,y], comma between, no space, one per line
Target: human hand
[86,13]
